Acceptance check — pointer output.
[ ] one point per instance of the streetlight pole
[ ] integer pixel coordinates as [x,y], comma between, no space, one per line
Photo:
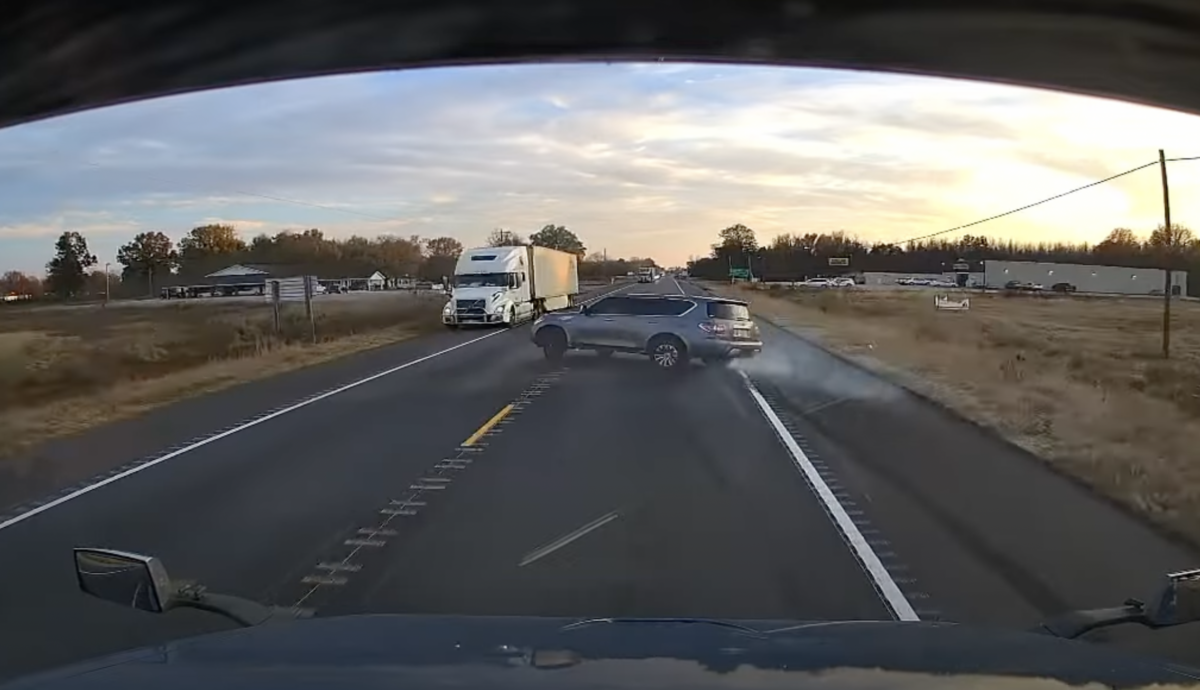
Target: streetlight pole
[106,265]
[1170,250]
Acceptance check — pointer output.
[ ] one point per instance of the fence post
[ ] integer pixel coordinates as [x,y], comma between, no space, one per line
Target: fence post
[308,295]
[275,305]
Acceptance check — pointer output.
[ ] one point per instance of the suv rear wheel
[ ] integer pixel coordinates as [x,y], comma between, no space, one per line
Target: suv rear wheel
[668,352]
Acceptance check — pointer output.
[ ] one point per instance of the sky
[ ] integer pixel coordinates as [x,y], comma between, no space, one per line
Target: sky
[637,159]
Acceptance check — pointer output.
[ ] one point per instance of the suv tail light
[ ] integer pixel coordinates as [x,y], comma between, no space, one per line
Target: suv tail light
[713,328]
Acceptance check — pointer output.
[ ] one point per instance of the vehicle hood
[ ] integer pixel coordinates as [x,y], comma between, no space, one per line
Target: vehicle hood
[476,292]
[413,652]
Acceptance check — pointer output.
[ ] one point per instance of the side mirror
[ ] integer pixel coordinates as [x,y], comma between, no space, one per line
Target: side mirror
[128,579]
[1176,604]
[141,582]
[585,310]
[1179,600]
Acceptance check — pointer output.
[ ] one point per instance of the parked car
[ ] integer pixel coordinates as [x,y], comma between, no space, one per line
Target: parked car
[842,282]
[1063,287]
[1024,286]
[816,283]
[670,329]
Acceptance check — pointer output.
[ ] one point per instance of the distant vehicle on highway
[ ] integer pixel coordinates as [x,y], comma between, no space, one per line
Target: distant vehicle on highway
[671,330]
[510,285]
[648,274]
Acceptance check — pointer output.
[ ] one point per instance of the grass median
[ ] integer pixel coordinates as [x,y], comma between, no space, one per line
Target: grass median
[1081,382]
[66,368]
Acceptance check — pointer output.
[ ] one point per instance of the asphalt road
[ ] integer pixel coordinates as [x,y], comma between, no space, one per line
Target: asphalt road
[474,477]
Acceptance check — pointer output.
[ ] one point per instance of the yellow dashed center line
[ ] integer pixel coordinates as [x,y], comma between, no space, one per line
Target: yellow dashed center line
[488,425]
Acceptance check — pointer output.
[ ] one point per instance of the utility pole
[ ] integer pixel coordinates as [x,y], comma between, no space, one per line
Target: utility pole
[106,286]
[1170,250]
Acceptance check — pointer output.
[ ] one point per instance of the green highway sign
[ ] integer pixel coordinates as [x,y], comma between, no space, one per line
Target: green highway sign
[739,273]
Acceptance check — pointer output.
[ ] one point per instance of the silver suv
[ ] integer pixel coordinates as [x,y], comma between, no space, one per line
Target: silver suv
[670,329]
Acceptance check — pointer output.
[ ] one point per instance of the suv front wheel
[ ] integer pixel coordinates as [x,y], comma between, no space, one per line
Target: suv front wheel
[668,352]
[554,343]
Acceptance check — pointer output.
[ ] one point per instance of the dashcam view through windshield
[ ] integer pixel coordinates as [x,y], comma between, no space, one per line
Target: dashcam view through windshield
[739,344]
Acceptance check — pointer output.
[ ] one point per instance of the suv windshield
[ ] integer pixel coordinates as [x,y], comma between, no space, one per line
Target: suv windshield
[728,310]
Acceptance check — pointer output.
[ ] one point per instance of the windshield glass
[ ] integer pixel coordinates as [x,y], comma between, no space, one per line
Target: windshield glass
[483,280]
[870,347]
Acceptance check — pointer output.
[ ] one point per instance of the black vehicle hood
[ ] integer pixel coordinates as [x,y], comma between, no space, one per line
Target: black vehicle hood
[413,652]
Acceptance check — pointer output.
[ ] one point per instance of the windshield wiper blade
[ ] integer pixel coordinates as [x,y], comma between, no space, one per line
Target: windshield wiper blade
[702,621]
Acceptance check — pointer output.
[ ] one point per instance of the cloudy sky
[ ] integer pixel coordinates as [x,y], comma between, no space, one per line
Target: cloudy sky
[645,160]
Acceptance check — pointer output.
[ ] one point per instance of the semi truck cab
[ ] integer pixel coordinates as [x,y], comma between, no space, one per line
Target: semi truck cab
[510,285]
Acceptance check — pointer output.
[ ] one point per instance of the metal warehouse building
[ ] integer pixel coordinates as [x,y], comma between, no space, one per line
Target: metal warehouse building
[1120,280]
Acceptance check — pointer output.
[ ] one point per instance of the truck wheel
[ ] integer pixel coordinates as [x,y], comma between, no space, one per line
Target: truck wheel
[553,342]
[511,322]
[668,353]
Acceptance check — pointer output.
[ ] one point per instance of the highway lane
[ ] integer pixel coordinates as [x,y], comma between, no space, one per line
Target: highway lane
[606,490]
[247,512]
[705,515]
[979,530]
[987,530]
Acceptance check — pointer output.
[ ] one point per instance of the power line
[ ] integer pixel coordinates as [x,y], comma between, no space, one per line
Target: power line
[1036,203]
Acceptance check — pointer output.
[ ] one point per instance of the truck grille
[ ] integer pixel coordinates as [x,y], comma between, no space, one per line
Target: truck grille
[469,306]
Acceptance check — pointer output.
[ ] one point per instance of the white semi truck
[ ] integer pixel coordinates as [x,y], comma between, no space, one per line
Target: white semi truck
[510,285]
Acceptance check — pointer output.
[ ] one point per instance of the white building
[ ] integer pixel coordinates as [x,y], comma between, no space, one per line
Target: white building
[1120,280]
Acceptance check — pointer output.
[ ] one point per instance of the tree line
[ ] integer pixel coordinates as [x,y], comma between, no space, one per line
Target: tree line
[151,259]
[792,256]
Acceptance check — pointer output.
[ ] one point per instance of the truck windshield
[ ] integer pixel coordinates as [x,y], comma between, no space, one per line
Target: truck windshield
[483,280]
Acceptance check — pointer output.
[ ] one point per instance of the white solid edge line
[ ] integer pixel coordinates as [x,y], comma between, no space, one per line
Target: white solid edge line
[886,586]
[21,517]
[229,432]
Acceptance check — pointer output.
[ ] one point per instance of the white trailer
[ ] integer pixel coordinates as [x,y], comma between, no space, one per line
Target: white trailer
[510,285]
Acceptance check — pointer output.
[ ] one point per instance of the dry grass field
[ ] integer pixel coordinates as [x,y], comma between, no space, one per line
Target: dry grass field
[64,369]
[1081,382]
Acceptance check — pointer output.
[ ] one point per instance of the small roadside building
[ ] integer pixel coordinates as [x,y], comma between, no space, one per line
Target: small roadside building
[252,278]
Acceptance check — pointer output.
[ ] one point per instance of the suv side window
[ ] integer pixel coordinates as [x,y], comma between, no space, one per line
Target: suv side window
[663,307]
[613,305]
